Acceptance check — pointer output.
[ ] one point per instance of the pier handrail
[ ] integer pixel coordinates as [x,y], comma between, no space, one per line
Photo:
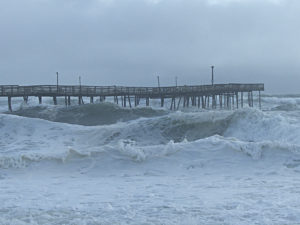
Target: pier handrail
[83,90]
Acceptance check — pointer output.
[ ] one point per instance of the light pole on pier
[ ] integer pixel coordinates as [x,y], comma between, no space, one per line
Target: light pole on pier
[158,83]
[80,81]
[80,101]
[176,78]
[57,81]
[212,75]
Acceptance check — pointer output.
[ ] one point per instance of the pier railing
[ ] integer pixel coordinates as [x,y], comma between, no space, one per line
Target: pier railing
[69,90]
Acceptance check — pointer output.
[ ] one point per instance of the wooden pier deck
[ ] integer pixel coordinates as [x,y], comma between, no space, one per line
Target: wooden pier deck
[226,96]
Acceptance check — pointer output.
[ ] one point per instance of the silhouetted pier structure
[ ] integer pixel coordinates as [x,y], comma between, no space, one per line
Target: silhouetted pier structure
[223,96]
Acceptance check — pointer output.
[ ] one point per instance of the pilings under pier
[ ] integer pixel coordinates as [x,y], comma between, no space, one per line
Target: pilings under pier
[217,96]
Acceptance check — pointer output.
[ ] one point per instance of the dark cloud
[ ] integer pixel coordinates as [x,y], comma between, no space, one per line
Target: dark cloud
[130,42]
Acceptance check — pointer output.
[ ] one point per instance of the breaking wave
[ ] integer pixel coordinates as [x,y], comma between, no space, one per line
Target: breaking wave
[161,135]
[88,114]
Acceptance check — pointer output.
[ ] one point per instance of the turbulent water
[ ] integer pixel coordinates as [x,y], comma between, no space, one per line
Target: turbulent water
[102,164]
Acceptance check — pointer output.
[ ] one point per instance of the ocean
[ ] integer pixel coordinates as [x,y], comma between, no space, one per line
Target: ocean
[104,164]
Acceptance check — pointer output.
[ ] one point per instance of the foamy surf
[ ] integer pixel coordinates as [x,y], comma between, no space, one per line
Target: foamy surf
[149,166]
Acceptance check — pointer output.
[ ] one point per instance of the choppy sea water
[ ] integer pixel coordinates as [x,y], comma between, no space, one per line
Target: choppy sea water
[102,164]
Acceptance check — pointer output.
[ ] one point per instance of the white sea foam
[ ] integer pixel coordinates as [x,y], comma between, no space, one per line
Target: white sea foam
[186,167]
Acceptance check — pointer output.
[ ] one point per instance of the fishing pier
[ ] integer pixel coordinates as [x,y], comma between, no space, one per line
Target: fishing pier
[223,96]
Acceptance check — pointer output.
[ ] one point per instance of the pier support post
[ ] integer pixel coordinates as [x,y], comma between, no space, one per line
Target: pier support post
[250,99]
[80,100]
[214,99]
[259,99]
[162,100]
[54,100]
[194,101]
[135,101]
[102,98]
[174,107]
[178,104]
[237,99]
[25,99]
[40,99]
[69,100]
[124,103]
[147,101]
[208,102]
[9,104]
[228,101]
[129,101]
[172,104]
[242,99]
[91,99]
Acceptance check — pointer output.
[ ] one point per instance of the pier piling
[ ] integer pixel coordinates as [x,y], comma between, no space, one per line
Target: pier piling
[9,104]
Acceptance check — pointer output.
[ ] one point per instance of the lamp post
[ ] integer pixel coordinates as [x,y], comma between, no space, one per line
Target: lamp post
[212,75]
[80,83]
[57,81]
[79,97]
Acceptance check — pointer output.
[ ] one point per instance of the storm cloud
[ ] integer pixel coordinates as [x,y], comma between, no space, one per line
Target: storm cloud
[130,42]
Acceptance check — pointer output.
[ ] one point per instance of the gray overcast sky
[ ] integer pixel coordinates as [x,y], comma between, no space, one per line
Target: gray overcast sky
[130,42]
